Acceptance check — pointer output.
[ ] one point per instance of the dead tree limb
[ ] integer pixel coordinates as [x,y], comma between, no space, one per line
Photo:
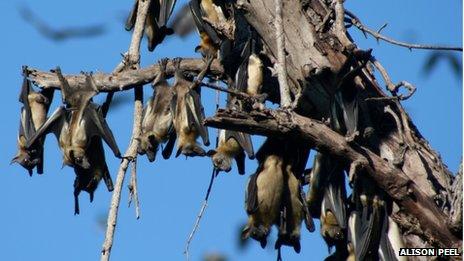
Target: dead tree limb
[131,152]
[124,80]
[281,65]
[356,22]
[391,179]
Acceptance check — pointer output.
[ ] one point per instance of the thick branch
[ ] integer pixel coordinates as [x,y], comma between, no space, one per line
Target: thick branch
[281,65]
[405,193]
[125,80]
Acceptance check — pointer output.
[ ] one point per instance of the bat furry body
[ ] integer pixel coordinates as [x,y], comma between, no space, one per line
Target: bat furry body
[33,115]
[157,123]
[156,30]
[188,116]
[79,129]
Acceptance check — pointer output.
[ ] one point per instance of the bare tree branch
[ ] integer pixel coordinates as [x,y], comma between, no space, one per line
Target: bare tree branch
[356,22]
[391,179]
[124,80]
[393,88]
[281,65]
[200,215]
[133,191]
[131,152]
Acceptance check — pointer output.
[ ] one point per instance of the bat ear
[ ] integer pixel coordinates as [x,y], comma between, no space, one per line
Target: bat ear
[169,31]
[179,151]
[246,232]
[15,160]
[211,153]
[297,246]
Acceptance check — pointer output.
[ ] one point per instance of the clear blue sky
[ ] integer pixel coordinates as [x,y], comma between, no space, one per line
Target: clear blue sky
[37,221]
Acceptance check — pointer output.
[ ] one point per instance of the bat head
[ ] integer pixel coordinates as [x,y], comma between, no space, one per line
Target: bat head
[330,229]
[79,158]
[257,233]
[221,161]
[24,159]
[148,145]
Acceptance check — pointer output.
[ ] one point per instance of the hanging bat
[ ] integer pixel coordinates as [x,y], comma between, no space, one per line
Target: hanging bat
[33,115]
[366,220]
[232,145]
[344,111]
[327,199]
[188,116]
[391,241]
[249,76]
[292,214]
[76,125]
[157,123]
[88,179]
[210,41]
[293,209]
[263,197]
[333,209]
[158,15]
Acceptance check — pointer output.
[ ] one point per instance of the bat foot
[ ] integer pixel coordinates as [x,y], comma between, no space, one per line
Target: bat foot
[258,106]
[289,240]
[351,137]
[257,233]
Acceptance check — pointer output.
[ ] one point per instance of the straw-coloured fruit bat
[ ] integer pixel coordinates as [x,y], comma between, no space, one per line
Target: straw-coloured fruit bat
[79,128]
[76,125]
[33,115]
[210,41]
[188,116]
[344,111]
[74,133]
[327,200]
[158,15]
[367,220]
[264,191]
[231,145]
[293,208]
[391,241]
[333,209]
[292,213]
[88,179]
[273,189]
[157,123]
[249,76]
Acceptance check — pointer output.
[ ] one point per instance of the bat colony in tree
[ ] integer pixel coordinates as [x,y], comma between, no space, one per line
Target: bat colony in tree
[361,226]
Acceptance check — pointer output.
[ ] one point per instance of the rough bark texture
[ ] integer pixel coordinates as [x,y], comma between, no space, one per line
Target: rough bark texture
[415,204]
[320,57]
[317,55]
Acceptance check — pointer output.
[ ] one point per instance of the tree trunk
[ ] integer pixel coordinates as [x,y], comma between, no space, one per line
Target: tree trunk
[318,52]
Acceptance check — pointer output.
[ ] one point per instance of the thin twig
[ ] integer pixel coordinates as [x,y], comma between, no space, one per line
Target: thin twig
[133,191]
[399,125]
[200,214]
[393,88]
[222,89]
[281,66]
[202,74]
[131,152]
[356,22]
